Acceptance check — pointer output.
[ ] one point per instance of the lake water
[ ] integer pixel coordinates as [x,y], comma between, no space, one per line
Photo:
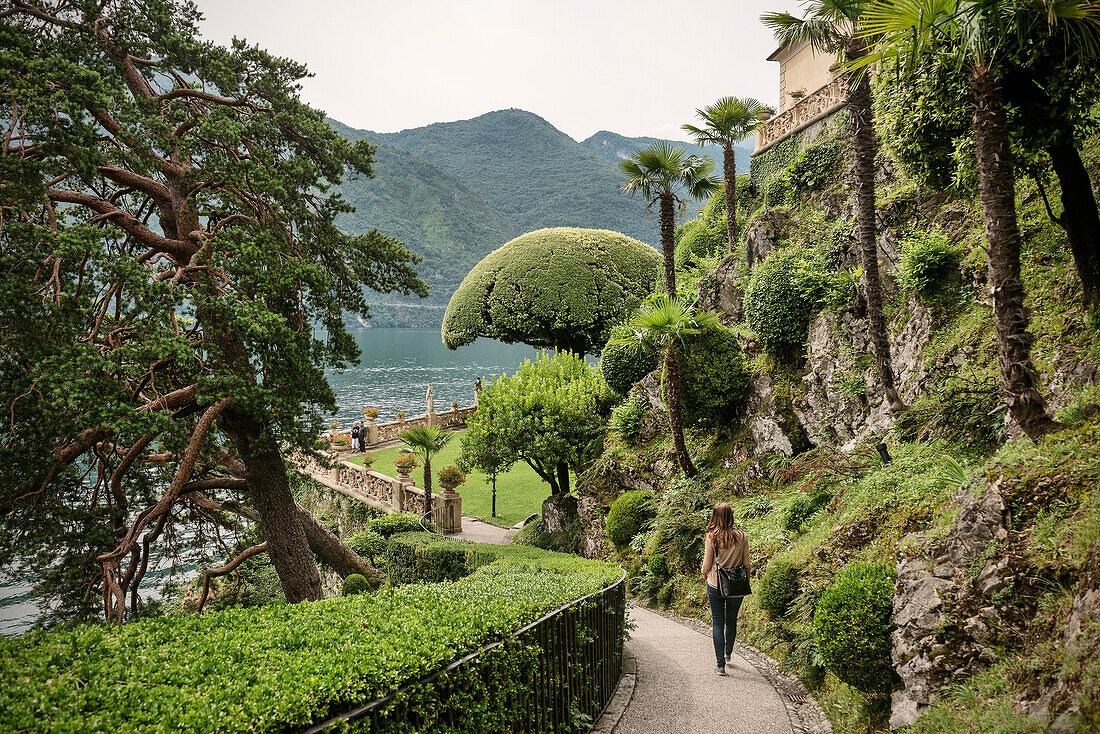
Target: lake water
[396,367]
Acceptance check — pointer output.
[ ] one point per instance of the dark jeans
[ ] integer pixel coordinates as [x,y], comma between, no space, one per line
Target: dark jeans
[723,619]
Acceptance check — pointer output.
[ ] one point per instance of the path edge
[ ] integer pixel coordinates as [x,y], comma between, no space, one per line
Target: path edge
[803,710]
[621,698]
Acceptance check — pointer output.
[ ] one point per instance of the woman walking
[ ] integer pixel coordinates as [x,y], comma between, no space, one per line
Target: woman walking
[729,547]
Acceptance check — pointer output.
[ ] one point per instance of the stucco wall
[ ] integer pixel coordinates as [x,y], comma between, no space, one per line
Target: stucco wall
[800,66]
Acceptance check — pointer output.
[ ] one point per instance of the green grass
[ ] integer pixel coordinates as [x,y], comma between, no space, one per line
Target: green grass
[520,492]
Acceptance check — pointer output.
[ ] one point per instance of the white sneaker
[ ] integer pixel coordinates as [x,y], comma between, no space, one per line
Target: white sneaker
[720,670]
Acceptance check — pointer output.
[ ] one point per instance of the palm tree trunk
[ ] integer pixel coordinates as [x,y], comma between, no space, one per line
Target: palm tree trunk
[864,149]
[668,242]
[428,484]
[672,390]
[1080,218]
[997,191]
[729,170]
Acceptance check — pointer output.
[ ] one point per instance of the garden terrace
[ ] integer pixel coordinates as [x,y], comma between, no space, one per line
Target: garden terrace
[287,667]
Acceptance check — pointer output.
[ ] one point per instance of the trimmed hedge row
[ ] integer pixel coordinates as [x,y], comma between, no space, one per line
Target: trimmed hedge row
[283,666]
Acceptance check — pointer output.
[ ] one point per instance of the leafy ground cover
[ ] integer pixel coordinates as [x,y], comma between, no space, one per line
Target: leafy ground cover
[520,492]
[278,666]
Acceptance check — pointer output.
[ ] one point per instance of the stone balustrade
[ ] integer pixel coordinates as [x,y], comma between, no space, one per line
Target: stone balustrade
[384,432]
[808,110]
[385,493]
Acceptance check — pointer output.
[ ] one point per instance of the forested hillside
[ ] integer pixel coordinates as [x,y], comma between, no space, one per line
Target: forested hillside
[615,147]
[455,191]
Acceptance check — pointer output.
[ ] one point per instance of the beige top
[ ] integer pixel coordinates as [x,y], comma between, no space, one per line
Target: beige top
[730,557]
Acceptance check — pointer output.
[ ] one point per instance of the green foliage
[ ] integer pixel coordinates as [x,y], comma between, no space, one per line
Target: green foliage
[705,236]
[629,513]
[282,667]
[371,544]
[419,557]
[627,416]
[775,193]
[803,507]
[533,534]
[930,266]
[550,411]
[715,378]
[962,409]
[399,522]
[658,565]
[777,587]
[783,293]
[852,626]
[771,165]
[815,166]
[621,366]
[562,288]
[355,583]
[757,506]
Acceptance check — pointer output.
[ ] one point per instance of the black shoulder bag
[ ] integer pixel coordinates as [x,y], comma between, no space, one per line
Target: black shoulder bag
[733,582]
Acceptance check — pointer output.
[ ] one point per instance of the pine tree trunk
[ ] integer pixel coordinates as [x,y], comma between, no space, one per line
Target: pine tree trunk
[287,543]
[672,391]
[1080,218]
[729,169]
[997,191]
[864,149]
[668,242]
[333,551]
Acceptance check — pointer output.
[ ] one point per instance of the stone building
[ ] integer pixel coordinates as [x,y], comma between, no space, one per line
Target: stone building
[809,91]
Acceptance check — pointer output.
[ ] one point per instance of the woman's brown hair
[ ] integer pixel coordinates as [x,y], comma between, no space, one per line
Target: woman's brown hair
[720,528]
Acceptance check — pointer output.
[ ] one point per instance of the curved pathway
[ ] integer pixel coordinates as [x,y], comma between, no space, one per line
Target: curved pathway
[677,691]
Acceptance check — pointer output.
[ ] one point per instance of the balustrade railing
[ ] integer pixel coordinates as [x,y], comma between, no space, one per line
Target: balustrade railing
[809,109]
[572,661]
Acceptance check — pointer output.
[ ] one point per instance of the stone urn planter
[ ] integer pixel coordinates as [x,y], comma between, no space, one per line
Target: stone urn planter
[405,464]
[449,478]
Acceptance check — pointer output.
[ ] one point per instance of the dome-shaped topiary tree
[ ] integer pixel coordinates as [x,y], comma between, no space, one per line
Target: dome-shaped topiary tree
[562,287]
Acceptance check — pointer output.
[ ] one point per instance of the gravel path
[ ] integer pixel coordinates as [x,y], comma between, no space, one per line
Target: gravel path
[484,532]
[677,691]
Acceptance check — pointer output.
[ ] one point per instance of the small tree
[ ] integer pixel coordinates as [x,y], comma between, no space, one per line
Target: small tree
[660,327]
[725,123]
[549,414]
[426,442]
[660,173]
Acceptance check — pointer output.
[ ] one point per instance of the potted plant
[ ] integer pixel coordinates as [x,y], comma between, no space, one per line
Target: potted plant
[450,477]
[454,405]
[401,415]
[370,414]
[765,113]
[368,459]
[340,443]
[405,463]
[798,93]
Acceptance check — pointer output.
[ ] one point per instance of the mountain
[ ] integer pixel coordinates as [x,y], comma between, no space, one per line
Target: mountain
[615,147]
[455,191]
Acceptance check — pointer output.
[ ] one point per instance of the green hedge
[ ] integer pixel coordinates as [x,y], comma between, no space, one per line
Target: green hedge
[621,366]
[715,381]
[777,587]
[399,522]
[272,668]
[852,626]
[784,292]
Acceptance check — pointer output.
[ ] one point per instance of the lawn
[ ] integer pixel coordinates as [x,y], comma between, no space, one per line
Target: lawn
[520,492]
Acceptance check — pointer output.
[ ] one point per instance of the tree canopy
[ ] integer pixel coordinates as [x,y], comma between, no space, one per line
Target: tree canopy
[168,244]
[562,287]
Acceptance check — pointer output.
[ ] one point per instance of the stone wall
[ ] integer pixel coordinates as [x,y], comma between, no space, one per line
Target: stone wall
[386,432]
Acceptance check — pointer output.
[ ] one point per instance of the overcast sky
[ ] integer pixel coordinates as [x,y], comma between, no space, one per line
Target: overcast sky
[636,67]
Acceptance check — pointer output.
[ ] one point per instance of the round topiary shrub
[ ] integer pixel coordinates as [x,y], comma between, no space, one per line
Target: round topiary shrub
[783,293]
[355,583]
[628,515]
[621,365]
[852,626]
[368,544]
[777,587]
[715,381]
[658,565]
[562,288]
[399,522]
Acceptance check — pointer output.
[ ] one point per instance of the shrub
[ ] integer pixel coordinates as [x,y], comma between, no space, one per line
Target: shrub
[757,506]
[777,587]
[282,667]
[355,583]
[803,507]
[369,544]
[627,416]
[783,293]
[399,522]
[628,515]
[930,266]
[816,166]
[852,626]
[621,366]
[425,557]
[658,565]
[532,534]
[961,409]
[561,287]
[775,193]
[715,381]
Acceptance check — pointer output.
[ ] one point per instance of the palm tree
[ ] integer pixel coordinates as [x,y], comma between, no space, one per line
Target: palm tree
[834,26]
[660,327]
[426,442]
[661,173]
[725,123]
[979,34]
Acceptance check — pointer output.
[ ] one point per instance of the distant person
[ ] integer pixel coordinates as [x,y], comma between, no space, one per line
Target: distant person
[363,438]
[727,546]
[355,432]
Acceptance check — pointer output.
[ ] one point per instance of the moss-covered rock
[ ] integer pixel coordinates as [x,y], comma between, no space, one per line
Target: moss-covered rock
[562,287]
